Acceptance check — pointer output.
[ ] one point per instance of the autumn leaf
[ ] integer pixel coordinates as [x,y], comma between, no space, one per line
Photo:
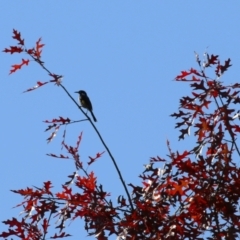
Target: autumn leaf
[13,49]
[53,134]
[39,84]
[60,235]
[226,66]
[87,183]
[56,156]
[236,128]
[79,140]
[184,74]
[212,60]
[16,67]
[58,120]
[17,36]
[92,160]
[38,49]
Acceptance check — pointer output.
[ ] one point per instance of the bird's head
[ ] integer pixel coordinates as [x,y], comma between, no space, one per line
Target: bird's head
[81,92]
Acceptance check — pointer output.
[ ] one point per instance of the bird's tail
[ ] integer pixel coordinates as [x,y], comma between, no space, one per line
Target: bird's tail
[94,119]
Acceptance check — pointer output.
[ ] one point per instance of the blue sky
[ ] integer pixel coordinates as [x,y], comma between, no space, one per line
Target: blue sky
[125,54]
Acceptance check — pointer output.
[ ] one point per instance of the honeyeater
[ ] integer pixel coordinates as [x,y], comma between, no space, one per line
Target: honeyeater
[85,102]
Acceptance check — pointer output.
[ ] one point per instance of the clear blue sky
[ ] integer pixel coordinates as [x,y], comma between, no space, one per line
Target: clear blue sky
[125,54]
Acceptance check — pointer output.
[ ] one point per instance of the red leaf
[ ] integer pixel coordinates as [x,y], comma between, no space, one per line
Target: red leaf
[53,134]
[60,120]
[24,192]
[18,228]
[183,74]
[122,201]
[179,187]
[206,103]
[13,49]
[222,68]
[62,196]
[236,128]
[194,79]
[87,183]
[211,60]
[39,84]
[50,127]
[30,51]
[18,66]
[184,132]
[198,86]
[186,73]
[214,93]
[98,155]
[39,48]
[17,36]
[79,140]
[13,222]
[226,66]
[63,234]
[47,186]
[54,155]
[45,225]
[9,233]
[157,159]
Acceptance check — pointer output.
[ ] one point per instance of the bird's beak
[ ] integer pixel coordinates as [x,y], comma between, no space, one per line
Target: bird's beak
[76,92]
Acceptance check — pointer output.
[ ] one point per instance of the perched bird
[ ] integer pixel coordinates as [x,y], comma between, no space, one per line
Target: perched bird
[85,102]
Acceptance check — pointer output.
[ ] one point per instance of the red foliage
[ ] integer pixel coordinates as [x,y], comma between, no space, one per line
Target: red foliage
[16,67]
[194,192]
[34,53]
[13,49]
[92,160]
[39,84]
[38,48]
[17,36]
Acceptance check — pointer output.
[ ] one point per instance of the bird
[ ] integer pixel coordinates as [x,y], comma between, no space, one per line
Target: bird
[86,103]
